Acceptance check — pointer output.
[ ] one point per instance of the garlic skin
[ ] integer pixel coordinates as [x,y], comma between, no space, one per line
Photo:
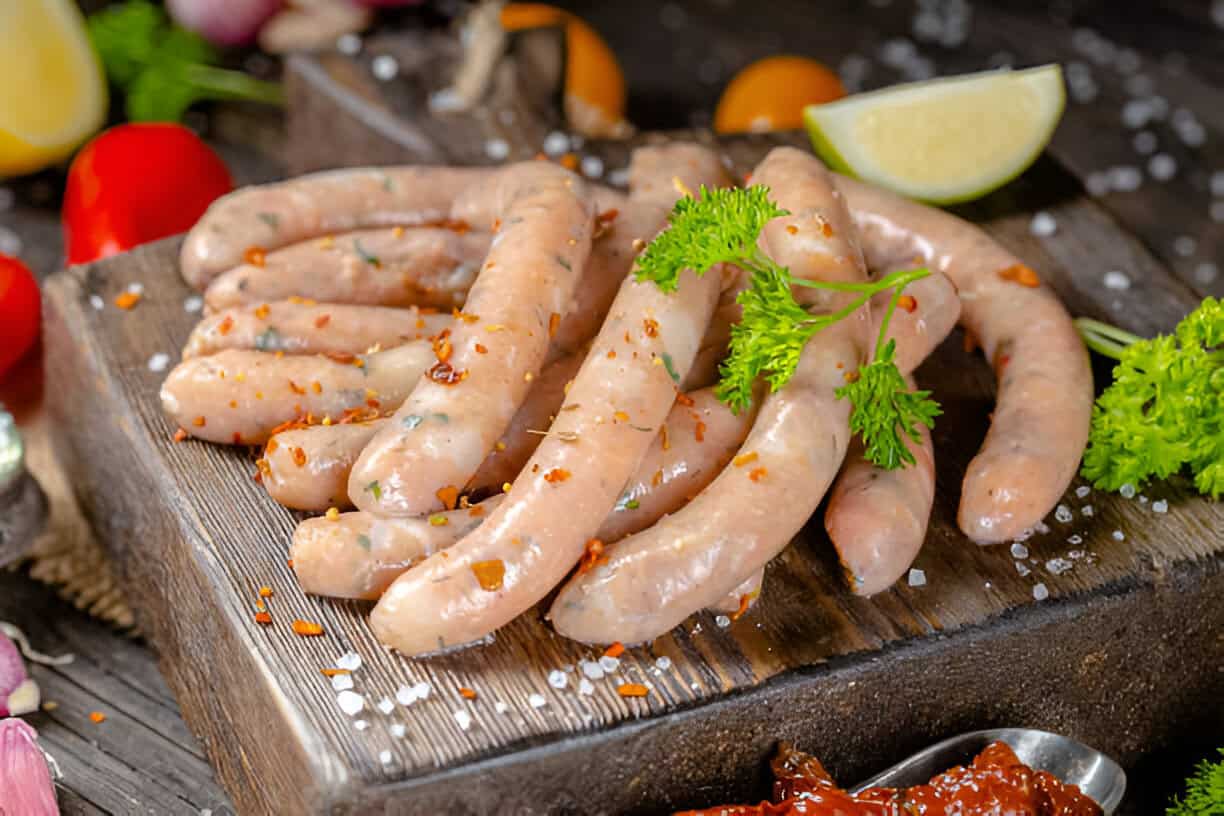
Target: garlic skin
[25,780]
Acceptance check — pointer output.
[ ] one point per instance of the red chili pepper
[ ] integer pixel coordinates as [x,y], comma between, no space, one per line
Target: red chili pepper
[137,183]
[19,311]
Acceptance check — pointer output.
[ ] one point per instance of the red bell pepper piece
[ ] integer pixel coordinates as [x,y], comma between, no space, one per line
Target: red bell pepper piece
[137,183]
[19,311]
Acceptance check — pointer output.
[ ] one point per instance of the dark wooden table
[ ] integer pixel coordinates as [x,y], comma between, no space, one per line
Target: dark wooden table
[143,759]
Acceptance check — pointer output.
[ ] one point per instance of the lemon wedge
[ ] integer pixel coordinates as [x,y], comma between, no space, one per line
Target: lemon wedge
[53,95]
[944,140]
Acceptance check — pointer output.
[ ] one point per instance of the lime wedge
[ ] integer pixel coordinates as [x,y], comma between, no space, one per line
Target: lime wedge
[944,140]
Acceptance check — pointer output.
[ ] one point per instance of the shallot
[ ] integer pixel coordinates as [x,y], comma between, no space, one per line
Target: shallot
[19,694]
[223,22]
[25,778]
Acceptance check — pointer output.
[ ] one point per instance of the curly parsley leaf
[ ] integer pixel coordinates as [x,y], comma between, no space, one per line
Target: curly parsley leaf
[1164,410]
[1204,791]
[885,410]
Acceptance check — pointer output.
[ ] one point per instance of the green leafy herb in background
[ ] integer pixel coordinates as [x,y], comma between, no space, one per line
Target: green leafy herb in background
[1204,791]
[164,69]
[1165,408]
[722,226]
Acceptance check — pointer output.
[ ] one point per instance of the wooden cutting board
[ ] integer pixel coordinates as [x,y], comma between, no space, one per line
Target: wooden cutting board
[1125,653]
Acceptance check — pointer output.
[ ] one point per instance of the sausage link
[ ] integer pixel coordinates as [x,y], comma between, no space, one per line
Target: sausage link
[485,367]
[1044,402]
[620,397]
[697,556]
[424,266]
[239,397]
[306,327]
[876,518]
[272,216]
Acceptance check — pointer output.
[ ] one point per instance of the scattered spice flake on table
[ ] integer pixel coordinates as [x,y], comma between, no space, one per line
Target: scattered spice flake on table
[97,716]
[467,693]
[307,628]
[127,300]
[632,690]
[615,650]
[263,618]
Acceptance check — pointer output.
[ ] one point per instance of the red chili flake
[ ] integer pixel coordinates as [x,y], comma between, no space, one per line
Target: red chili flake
[1021,274]
[255,256]
[262,311]
[489,574]
[449,496]
[265,592]
[592,555]
[295,388]
[334,672]
[299,456]
[480,349]
[615,650]
[322,320]
[745,601]
[464,316]
[651,327]
[263,618]
[757,474]
[198,422]
[476,511]
[97,717]
[657,478]
[179,435]
[826,229]
[442,347]
[468,694]
[340,356]
[632,690]
[684,399]
[1001,359]
[612,354]
[260,605]
[556,475]
[792,229]
[603,222]
[223,328]
[290,563]
[851,376]
[127,300]
[236,438]
[908,303]
[307,628]
[744,458]
[620,416]
[970,342]
[443,374]
[569,161]
[699,431]
[316,387]
[663,437]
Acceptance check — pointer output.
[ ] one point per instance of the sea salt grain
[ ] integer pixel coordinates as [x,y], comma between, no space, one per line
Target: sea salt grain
[349,660]
[585,687]
[663,663]
[159,361]
[1040,592]
[193,304]
[609,664]
[1127,491]
[10,242]
[1118,281]
[1142,499]
[1125,178]
[1136,113]
[557,679]
[1082,491]
[384,757]
[1217,211]
[501,707]
[1087,510]
[723,621]
[462,717]
[1184,245]
[96,302]
[497,149]
[405,696]
[1118,535]
[1022,568]
[917,578]
[1139,85]
[537,701]
[350,702]
[1075,539]
[1057,566]
[1041,527]
[421,690]
[1019,551]
[592,670]
[556,143]
[1063,513]
[384,67]
[342,682]
[361,725]
[1145,142]
[1160,506]
[1043,225]
[386,705]
[1097,184]
[1162,167]
[1216,185]
[1206,272]
[398,730]
[348,44]
[591,166]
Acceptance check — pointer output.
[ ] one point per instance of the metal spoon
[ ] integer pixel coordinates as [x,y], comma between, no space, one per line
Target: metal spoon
[1073,762]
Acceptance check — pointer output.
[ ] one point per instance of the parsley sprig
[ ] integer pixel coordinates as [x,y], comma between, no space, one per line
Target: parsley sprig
[162,68]
[1204,791]
[1165,408]
[722,226]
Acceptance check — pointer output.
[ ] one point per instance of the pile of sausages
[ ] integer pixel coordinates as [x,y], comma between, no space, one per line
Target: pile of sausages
[463,356]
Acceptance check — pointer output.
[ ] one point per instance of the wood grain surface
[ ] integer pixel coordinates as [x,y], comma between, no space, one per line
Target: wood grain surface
[195,538]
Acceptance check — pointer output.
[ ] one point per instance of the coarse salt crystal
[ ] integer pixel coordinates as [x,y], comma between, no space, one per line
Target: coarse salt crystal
[1097,184]
[537,701]
[405,696]
[462,717]
[1160,506]
[342,682]
[1082,491]
[586,687]
[350,702]
[421,690]
[497,149]
[159,361]
[1192,133]
[1022,568]
[1127,491]
[1063,513]
[349,660]
[1216,185]
[386,705]
[592,669]
[1145,142]
[1206,272]
[1136,113]
[1043,225]
[1057,566]
[591,166]
[398,730]
[1118,535]
[557,679]
[1075,539]
[384,757]
[1142,499]
[1087,510]
[361,725]
[1216,211]
[348,44]
[1019,551]
[1116,280]
[10,242]
[663,663]
[722,621]
[1040,592]
[1140,85]
[384,67]
[96,302]
[501,707]
[193,304]
[556,143]
[1125,178]
[1127,61]
[1184,245]
[917,578]
[1041,527]
[609,664]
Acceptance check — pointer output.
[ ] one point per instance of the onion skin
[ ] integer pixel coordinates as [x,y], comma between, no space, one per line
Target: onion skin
[18,693]
[25,780]
[223,22]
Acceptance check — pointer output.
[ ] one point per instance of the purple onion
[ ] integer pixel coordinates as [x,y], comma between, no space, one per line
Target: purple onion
[223,22]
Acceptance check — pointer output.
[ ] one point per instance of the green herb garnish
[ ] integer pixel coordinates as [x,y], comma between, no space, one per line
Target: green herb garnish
[722,226]
[363,541]
[1165,408]
[1204,791]
[162,68]
[376,489]
[372,260]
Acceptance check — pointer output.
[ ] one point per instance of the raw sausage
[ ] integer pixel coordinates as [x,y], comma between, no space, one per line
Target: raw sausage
[1044,403]
[696,557]
[620,397]
[485,367]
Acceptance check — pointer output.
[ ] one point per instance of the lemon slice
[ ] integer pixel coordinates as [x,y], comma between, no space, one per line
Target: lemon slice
[944,140]
[53,95]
